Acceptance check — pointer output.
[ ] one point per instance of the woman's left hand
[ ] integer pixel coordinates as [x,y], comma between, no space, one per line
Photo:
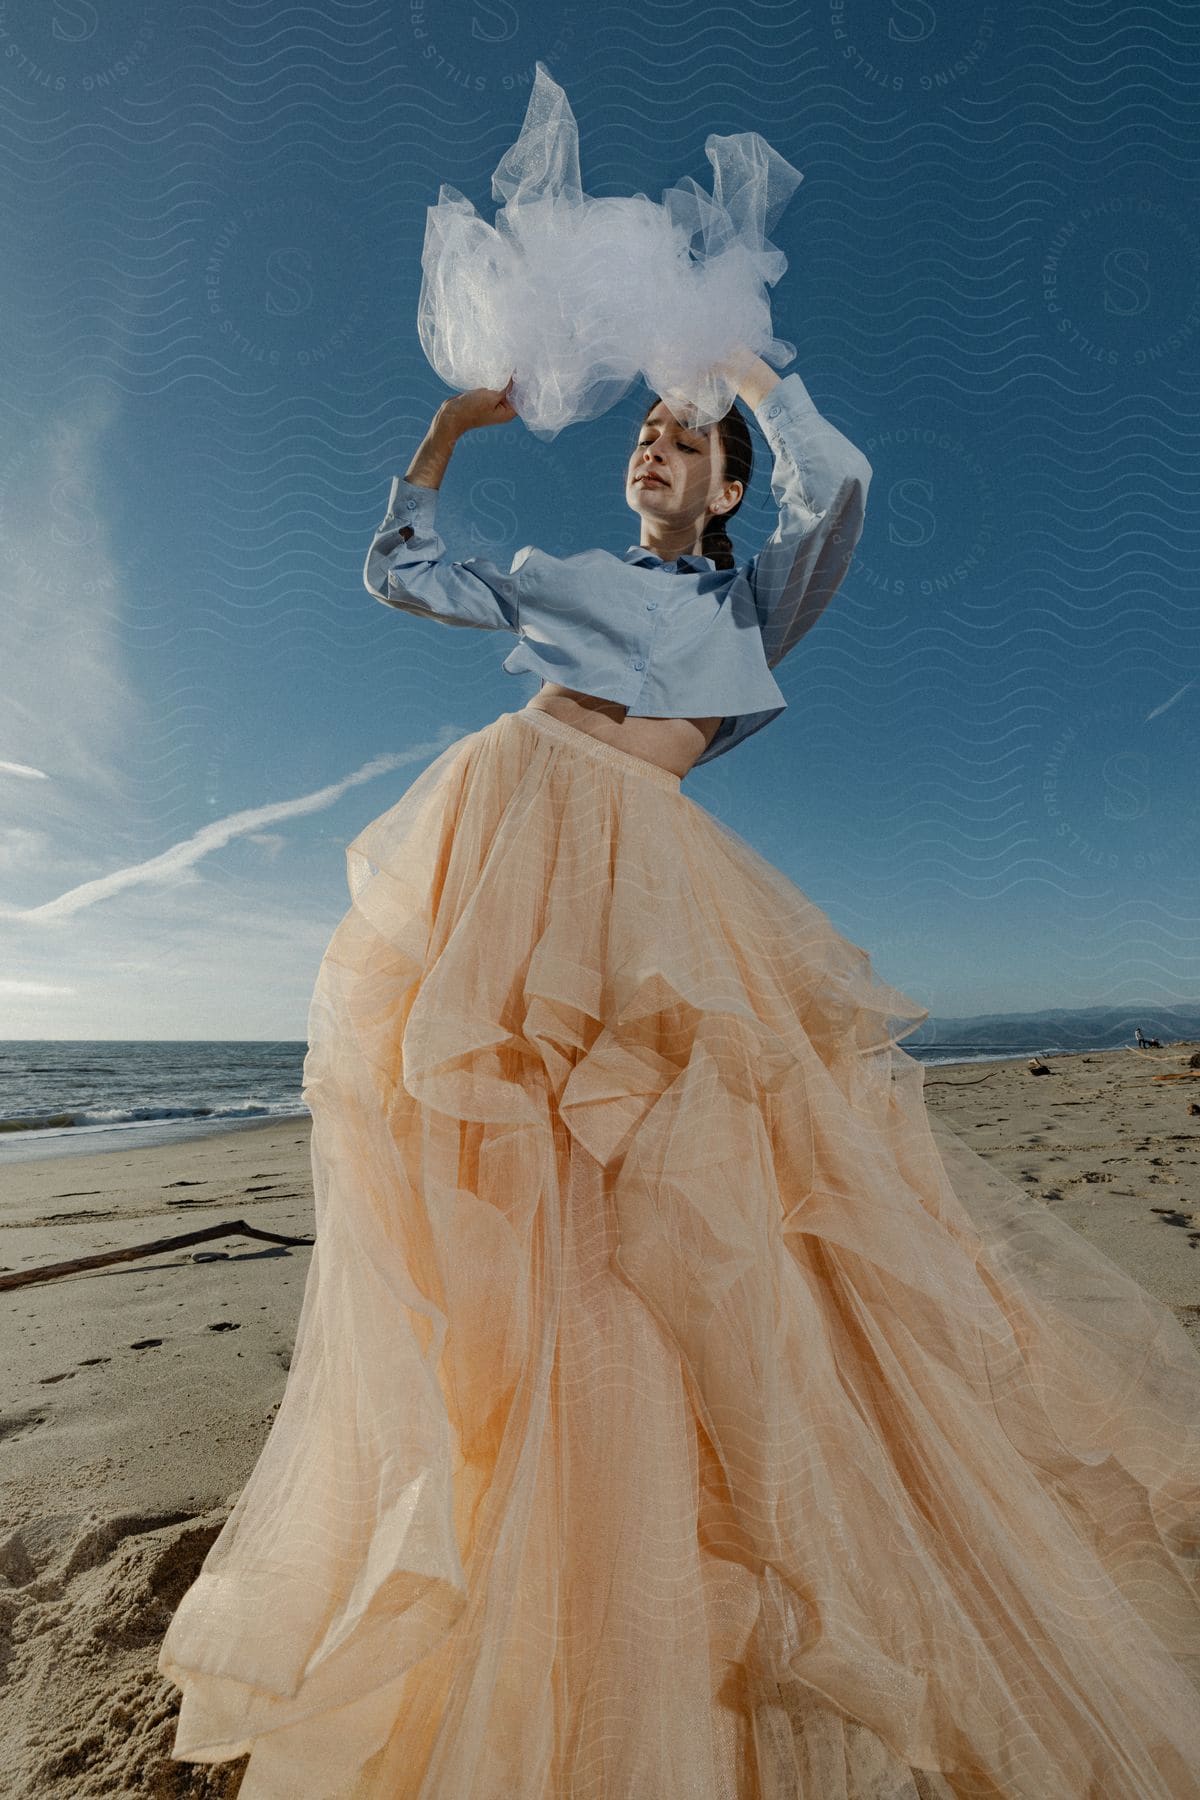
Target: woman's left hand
[737,365]
[753,378]
[747,374]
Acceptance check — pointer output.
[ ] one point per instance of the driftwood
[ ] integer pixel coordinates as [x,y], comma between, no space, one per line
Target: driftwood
[49,1271]
[1168,1055]
[949,1081]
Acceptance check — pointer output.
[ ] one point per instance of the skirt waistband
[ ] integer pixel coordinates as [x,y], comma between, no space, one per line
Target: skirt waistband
[587,745]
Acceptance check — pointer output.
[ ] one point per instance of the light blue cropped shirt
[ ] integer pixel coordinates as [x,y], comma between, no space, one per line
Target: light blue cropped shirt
[677,640]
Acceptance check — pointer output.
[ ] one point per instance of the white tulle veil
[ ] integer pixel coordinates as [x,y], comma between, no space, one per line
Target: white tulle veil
[577,296]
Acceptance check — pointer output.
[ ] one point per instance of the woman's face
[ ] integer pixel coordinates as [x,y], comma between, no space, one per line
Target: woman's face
[687,465]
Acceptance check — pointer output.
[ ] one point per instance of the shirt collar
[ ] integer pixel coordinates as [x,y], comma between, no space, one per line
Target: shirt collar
[637,553]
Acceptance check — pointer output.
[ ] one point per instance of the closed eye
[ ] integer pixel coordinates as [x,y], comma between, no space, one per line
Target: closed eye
[686,447]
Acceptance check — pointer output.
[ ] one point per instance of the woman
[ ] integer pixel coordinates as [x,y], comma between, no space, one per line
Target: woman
[677,1409]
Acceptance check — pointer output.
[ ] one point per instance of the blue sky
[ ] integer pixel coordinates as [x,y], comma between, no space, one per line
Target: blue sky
[213,219]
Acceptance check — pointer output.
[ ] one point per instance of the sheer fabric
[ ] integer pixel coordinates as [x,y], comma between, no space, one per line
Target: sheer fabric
[578,295]
[677,1408]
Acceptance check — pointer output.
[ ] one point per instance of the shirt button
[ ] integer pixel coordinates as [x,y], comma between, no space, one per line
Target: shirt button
[412,505]
[651,605]
[772,411]
[638,663]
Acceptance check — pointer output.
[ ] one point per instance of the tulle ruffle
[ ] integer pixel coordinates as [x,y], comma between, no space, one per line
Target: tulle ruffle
[578,295]
[676,1407]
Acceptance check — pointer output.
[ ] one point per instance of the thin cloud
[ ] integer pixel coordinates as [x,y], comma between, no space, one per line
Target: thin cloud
[35,990]
[1170,701]
[66,696]
[174,867]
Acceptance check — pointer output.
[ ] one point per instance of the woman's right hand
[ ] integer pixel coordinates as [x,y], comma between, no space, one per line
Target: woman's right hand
[478,407]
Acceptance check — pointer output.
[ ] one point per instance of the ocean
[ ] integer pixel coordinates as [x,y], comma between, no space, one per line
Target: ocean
[102,1094]
[105,1093]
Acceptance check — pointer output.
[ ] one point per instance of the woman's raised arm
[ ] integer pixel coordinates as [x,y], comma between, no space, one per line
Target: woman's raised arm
[408,566]
[819,482]
[460,413]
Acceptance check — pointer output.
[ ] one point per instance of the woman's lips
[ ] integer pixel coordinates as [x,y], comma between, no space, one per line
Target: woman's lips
[651,481]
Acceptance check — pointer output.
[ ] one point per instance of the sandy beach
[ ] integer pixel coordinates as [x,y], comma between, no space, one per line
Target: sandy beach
[137,1396]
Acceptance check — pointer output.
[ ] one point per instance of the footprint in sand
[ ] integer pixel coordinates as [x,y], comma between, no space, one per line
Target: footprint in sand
[16,1423]
[1171,1215]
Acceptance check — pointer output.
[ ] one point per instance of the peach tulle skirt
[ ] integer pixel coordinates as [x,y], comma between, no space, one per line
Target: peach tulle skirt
[678,1411]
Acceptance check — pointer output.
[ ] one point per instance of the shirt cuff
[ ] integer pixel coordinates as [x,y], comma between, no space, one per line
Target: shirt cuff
[788,399]
[410,504]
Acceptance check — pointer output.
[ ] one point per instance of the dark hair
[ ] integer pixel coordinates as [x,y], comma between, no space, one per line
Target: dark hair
[737,452]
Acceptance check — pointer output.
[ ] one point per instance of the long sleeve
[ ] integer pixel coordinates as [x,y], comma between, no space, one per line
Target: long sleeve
[820,484]
[408,567]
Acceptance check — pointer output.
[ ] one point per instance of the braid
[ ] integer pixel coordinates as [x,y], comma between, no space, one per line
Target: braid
[716,543]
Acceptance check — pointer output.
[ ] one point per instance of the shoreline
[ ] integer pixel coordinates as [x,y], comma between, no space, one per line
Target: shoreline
[22,1144]
[20,1147]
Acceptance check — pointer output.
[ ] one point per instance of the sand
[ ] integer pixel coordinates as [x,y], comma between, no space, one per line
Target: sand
[137,1397]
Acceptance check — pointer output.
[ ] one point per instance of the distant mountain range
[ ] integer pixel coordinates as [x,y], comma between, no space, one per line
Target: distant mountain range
[1062,1028]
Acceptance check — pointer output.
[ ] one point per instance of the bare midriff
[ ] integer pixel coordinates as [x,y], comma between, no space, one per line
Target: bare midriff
[673,744]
